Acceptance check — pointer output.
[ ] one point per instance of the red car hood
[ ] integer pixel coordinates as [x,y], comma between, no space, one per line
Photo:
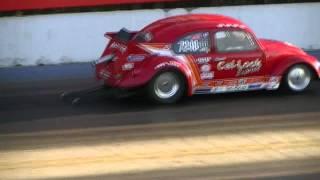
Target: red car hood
[276,48]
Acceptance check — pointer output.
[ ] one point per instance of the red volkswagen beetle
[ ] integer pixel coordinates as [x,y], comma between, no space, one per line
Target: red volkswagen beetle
[202,54]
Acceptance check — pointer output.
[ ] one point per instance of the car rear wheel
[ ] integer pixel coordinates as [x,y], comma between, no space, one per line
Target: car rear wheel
[166,88]
[298,78]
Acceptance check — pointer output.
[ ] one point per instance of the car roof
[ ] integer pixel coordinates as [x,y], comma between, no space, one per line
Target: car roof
[168,29]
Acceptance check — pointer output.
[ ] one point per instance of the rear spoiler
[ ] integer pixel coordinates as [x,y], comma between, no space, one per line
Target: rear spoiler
[110,35]
[123,35]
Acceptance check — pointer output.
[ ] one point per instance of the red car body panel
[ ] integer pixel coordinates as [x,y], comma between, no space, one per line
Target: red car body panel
[134,63]
[282,55]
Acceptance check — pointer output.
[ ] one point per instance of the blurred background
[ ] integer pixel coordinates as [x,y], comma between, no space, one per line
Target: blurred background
[64,31]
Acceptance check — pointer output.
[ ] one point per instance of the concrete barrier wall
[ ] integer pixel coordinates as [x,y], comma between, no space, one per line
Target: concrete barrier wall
[78,37]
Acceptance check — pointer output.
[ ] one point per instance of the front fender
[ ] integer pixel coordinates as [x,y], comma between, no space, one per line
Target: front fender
[279,69]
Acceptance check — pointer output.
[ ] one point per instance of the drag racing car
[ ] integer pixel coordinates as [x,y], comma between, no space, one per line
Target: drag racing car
[201,54]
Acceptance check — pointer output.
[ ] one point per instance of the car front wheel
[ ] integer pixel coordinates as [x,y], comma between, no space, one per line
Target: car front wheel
[298,78]
[166,88]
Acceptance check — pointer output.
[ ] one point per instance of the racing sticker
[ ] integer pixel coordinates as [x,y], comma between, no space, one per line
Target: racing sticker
[240,84]
[127,66]
[203,60]
[274,83]
[136,57]
[205,68]
[242,81]
[194,43]
[237,88]
[242,67]
[164,64]
[237,81]
[120,47]
[104,74]
[256,86]
[207,75]
[231,25]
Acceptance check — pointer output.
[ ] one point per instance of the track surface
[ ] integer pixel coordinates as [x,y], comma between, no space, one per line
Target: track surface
[29,101]
[241,148]
[41,110]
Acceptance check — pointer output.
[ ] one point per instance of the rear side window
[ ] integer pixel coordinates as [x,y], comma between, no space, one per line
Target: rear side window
[195,43]
[143,37]
[234,41]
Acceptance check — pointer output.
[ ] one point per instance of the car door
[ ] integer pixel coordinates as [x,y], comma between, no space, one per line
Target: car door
[237,59]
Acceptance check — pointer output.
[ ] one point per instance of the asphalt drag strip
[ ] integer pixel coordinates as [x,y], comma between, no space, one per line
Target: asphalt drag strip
[230,148]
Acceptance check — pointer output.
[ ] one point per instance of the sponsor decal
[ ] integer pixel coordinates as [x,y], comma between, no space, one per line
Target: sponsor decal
[135,58]
[231,25]
[239,84]
[239,81]
[203,91]
[224,89]
[273,86]
[219,83]
[203,60]
[207,75]
[127,66]
[205,68]
[219,89]
[104,74]
[192,46]
[164,64]
[242,67]
[274,83]
[120,47]
[274,79]
[255,86]
[198,42]
[242,81]
[237,88]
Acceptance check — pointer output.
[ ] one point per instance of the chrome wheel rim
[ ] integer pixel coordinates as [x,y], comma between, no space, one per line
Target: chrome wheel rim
[299,78]
[166,85]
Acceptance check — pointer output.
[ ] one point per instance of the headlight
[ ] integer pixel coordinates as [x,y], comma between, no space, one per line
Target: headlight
[105,58]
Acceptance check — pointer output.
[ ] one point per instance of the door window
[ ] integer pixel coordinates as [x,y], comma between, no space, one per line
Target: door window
[234,41]
[195,43]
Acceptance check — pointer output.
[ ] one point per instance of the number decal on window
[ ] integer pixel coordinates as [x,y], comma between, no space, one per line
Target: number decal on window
[193,44]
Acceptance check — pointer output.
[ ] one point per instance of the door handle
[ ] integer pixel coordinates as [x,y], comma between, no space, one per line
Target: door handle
[220,58]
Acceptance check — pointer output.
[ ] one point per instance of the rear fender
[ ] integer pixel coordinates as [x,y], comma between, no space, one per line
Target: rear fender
[159,65]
